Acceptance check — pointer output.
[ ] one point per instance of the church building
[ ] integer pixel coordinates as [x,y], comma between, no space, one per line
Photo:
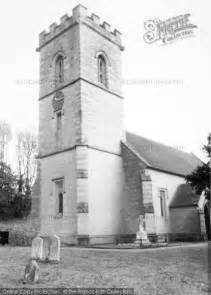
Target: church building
[95,179]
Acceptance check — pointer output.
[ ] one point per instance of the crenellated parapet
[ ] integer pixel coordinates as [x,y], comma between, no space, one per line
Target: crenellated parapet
[80,15]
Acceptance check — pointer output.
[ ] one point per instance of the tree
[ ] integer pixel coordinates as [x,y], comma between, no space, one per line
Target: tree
[26,163]
[15,190]
[5,137]
[199,179]
[21,204]
[7,191]
[26,158]
[13,202]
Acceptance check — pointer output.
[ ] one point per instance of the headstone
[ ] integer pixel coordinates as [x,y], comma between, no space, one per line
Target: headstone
[46,248]
[31,274]
[37,248]
[55,249]
[51,248]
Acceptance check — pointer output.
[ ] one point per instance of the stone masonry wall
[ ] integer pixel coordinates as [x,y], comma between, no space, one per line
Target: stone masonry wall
[185,223]
[106,196]
[134,204]
[68,46]
[59,166]
[82,182]
[70,134]
[102,119]
[92,118]
[92,44]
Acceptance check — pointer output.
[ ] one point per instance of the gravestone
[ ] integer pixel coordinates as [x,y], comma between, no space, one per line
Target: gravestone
[46,247]
[55,249]
[37,248]
[31,274]
[51,248]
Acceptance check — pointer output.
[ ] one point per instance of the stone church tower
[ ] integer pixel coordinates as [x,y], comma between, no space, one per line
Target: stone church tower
[80,129]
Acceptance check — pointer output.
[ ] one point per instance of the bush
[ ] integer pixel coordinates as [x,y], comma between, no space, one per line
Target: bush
[21,205]
[15,197]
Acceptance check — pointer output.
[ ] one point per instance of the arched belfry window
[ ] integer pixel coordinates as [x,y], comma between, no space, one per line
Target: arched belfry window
[102,70]
[59,70]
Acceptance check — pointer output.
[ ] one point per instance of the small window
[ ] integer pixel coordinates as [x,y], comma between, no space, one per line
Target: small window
[60,203]
[163,203]
[4,237]
[59,192]
[59,69]
[102,71]
[59,121]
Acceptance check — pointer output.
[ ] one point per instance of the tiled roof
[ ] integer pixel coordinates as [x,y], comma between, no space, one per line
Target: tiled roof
[162,157]
[184,197]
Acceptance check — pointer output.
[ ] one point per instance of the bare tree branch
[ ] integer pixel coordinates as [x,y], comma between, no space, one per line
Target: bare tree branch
[5,137]
[26,156]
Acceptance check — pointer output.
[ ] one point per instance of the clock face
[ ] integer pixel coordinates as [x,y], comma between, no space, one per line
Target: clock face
[57,98]
[59,95]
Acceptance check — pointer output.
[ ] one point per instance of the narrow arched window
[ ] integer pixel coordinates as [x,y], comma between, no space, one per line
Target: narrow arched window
[59,121]
[60,203]
[59,196]
[59,70]
[102,71]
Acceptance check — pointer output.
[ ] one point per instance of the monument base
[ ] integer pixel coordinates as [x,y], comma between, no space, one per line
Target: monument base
[142,242]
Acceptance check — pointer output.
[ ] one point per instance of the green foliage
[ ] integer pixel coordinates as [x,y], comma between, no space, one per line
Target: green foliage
[15,198]
[21,205]
[7,191]
[199,179]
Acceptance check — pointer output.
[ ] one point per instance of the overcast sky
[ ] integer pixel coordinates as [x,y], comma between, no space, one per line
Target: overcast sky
[178,115]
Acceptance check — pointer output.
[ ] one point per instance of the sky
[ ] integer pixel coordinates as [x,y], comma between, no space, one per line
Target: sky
[174,114]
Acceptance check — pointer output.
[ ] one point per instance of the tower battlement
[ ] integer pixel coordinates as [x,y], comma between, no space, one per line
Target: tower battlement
[80,15]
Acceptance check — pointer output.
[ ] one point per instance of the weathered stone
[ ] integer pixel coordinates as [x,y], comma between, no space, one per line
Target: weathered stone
[51,248]
[37,248]
[55,245]
[82,207]
[141,235]
[46,248]
[161,238]
[31,274]
[88,139]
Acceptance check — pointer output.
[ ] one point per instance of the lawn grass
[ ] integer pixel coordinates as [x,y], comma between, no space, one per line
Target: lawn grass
[174,270]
